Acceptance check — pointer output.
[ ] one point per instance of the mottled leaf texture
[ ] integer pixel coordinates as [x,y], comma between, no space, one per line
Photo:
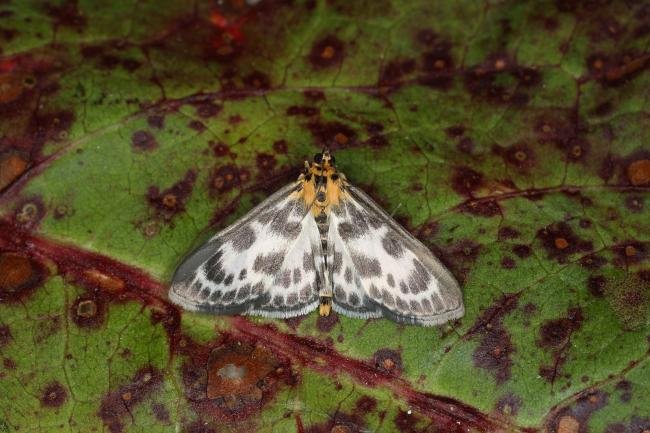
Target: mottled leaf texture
[509,137]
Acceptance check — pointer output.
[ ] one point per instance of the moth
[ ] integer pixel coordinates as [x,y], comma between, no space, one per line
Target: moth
[318,242]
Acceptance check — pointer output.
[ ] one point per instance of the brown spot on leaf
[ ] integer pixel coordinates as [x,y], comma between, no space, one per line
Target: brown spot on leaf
[29,212]
[117,406]
[334,135]
[12,165]
[54,395]
[507,232]
[634,203]
[171,201]
[366,404]
[629,253]
[280,146]
[574,417]
[508,263]
[519,155]
[554,335]
[495,346]
[88,311]
[461,256]
[560,241]
[66,14]
[596,285]
[327,323]
[388,360]
[257,80]
[143,141]
[509,405]
[5,335]
[484,208]
[225,178]
[265,163]
[160,412]
[625,387]
[19,276]
[326,52]
[235,380]
[638,172]
[301,110]
[466,181]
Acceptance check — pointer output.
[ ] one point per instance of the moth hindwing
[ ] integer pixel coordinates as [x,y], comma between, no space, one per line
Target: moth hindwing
[316,241]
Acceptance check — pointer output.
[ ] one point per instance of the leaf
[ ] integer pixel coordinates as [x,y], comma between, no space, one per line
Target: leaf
[511,137]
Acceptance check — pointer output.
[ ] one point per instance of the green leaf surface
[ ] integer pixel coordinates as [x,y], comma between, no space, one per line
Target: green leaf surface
[510,137]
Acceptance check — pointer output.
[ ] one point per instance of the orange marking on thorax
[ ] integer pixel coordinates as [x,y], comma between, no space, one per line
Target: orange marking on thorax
[332,189]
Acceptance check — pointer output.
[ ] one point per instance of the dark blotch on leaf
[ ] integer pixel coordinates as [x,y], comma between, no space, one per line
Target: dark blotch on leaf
[326,52]
[143,141]
[19,276]
[484,208]
[388,360]
[280,146]
[596,285]
[117,406]
[522,251]
[257,80]
[554,335]
[560,241]
[574,417]
[506,232]
[5,335]
[334,135]
[327,323]
[495,346]
[466,181]
[301,110]
[88,311]
[66,14]
[509,405]
[265,163]
[171,201]
[225,178]
[234,380]
[54,395]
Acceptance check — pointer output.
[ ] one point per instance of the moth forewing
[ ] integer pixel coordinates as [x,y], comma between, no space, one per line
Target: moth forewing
[263,264]
[382,265]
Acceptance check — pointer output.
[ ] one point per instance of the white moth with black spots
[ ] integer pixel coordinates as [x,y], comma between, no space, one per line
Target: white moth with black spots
[318,241]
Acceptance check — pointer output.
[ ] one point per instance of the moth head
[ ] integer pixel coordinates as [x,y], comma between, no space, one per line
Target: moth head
[324,159]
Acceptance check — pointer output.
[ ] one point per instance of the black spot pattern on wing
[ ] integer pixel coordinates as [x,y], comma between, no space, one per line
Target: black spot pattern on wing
[348,275]
[283,279]
[297,276]
[242,275]
[390,280]
[244,239]
[308,264]
[243,292]
[366,266]
[392,245]
[419,278]
[270,263]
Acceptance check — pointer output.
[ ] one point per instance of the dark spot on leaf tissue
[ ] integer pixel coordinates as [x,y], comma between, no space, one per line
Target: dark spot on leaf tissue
[54,395]
[234,380]
[20,276]
[171,201]
[495,346]
[326,52]
[560,241]
[143,141]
